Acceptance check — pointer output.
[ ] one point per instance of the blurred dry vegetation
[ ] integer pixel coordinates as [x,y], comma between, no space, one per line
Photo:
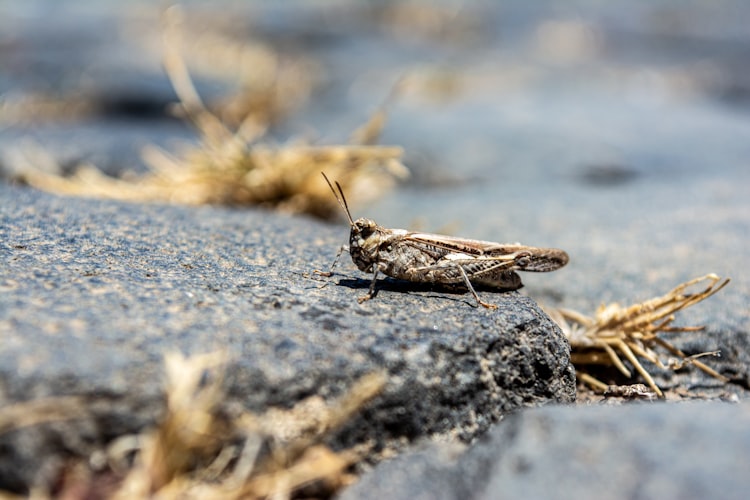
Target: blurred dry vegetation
[232,165]
[200,449]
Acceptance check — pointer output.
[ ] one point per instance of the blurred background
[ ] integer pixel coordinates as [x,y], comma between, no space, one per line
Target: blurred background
[618,131]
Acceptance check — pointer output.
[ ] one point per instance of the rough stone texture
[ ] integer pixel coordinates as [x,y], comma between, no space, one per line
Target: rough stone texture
[684,451]
[95,292]
[617,132]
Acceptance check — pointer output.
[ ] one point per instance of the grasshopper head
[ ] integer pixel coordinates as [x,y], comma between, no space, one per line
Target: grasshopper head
[364,241]
[365,236]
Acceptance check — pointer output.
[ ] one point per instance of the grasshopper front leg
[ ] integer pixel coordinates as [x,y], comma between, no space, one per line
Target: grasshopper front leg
[372,291]
[329,273]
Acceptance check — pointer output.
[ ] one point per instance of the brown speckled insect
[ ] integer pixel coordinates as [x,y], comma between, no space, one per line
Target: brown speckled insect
[435,258]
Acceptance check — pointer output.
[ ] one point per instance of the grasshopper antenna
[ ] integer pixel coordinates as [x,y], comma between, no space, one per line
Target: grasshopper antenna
[341,199]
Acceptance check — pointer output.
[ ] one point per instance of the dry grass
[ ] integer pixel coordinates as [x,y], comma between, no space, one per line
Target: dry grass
[269,85]
[30,413]
[232,166]
[261,80]
[633,332]
[200,450]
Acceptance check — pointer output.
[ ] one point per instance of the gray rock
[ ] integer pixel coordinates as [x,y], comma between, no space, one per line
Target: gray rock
[95,292]
[625,155]
[666,451]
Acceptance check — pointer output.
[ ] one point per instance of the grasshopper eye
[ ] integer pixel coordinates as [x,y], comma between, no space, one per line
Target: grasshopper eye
[365,228]
[362,231]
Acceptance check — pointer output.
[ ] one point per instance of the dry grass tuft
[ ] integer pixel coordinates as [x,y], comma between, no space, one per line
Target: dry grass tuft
[200,450]
[633,332]
[231,166]
[270,86]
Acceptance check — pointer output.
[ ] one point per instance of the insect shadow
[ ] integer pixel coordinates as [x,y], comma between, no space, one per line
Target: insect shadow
[409,287]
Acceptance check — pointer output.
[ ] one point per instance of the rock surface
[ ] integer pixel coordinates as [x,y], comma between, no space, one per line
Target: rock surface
[94,293]
[683,451]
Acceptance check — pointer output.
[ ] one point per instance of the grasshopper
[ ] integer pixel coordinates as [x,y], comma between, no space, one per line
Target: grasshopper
[435,258]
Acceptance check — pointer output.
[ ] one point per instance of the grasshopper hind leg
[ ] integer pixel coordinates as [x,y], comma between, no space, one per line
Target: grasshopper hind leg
[480,302]
[373,291]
